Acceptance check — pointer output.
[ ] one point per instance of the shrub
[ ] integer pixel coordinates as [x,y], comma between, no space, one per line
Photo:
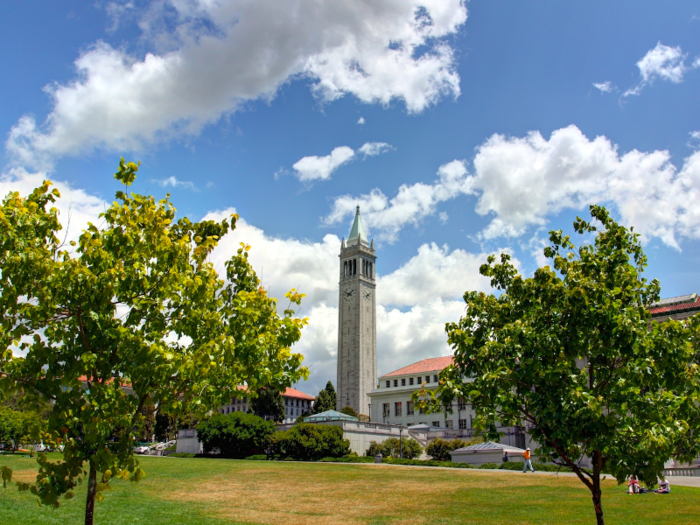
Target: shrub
[395,448]
[349,411]
[182,455]
[488,466]
[309,442]
[544,467]
[236,435]
[257,457]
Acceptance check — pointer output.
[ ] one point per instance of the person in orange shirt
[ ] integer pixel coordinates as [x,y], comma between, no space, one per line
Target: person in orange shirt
[528,463]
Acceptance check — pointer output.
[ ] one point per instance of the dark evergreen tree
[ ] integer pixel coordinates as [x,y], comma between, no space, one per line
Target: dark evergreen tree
[325,400]
[268,405]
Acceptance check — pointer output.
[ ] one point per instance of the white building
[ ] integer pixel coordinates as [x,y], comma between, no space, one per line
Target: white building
[296,403]
[391,405]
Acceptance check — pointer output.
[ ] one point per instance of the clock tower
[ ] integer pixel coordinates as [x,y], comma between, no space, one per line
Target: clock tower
[357,320]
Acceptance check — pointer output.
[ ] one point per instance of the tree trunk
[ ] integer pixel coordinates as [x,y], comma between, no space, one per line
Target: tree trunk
[596,502]
[92,491]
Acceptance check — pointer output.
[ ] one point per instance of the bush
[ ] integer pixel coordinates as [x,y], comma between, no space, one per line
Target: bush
[488,466]
[236,435]
[310,442]
[257,457]
[395,448]
[349,411]
[182,455]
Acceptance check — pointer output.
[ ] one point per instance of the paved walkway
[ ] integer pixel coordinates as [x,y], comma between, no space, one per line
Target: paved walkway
[683,481]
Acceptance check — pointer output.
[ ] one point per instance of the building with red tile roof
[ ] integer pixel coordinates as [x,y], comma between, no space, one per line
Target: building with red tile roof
[677,308]
[433,364]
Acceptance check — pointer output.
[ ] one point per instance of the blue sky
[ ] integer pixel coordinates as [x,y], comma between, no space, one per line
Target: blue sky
[484,125]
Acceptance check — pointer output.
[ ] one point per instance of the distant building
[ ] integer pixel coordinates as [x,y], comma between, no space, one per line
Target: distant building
[391,405]
[296,403]
[677,308]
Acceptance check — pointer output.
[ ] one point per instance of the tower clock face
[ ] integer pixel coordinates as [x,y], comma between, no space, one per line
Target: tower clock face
[348,294]
[367,295]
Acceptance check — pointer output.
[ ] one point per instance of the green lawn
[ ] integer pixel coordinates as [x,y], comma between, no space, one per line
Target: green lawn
[210,491]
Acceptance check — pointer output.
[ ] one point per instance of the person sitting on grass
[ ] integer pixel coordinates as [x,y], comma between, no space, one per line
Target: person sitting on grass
[528,463]
[664,487]
[632,486]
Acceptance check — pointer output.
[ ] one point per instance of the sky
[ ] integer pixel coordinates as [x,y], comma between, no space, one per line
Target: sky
[461,128]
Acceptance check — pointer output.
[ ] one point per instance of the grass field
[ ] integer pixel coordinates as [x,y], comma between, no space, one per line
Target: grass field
[214,491]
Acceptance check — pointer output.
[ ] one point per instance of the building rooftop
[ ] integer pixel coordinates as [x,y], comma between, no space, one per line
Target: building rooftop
[329,415]
[357,232]
[675,304]
[489,446]
[293,392]
[434,364]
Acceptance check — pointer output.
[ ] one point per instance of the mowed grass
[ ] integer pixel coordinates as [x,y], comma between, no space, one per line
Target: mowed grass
[210,491]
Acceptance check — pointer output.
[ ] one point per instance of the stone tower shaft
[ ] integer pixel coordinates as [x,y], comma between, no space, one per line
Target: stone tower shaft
[357,321]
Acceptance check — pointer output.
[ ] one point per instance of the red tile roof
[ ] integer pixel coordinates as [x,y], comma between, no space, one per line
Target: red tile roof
[695,305]
[434,364]
[292,392]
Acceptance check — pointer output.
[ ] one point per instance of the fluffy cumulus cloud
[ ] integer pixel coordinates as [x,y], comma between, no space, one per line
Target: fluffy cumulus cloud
[174,182]
[387,217]
[662,62]
[209,57]
[321,168]
[523,180]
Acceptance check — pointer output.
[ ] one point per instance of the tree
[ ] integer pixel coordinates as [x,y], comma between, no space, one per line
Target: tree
[349,411]
[407,448]
[573,354]
[15,427]
[268,404]
[131,314]
[235,435]
[439,449]
[325,400]
[309,442]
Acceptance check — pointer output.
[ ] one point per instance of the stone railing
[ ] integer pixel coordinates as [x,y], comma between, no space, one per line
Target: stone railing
[681,471]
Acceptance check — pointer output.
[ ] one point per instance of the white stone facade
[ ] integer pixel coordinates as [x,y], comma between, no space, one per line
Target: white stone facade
[357,322]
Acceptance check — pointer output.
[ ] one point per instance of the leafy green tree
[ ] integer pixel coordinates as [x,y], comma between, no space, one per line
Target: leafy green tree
[308,442]
[349,411]
[325,400]
[268,404]
[235,435]
[406,448]
[439,449]
[15,427]
[572,353]
[167,425]
[133,313]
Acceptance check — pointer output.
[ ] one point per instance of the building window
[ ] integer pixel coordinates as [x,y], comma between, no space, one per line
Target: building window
[397,409]
[462,424]
[448,423]
[435,378]
[427,379]
[461,404]
[419,380]
[403,382]
[386,412]
[435,424]
[409,408]
[388,384]
[396,382]
[410,381]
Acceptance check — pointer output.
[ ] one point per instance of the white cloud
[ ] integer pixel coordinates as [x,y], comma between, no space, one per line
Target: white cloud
[361,120]
[522,181]
[371,149]
[315,168]
[434,272]
[663,62]
[604,87]
[173,182]
[694,136]
[412,203]
[219,54]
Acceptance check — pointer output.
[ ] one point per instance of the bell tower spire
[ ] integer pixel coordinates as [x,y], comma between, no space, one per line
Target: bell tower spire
[357,320]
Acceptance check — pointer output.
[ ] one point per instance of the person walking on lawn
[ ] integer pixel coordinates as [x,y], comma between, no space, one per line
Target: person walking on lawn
[528,463]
